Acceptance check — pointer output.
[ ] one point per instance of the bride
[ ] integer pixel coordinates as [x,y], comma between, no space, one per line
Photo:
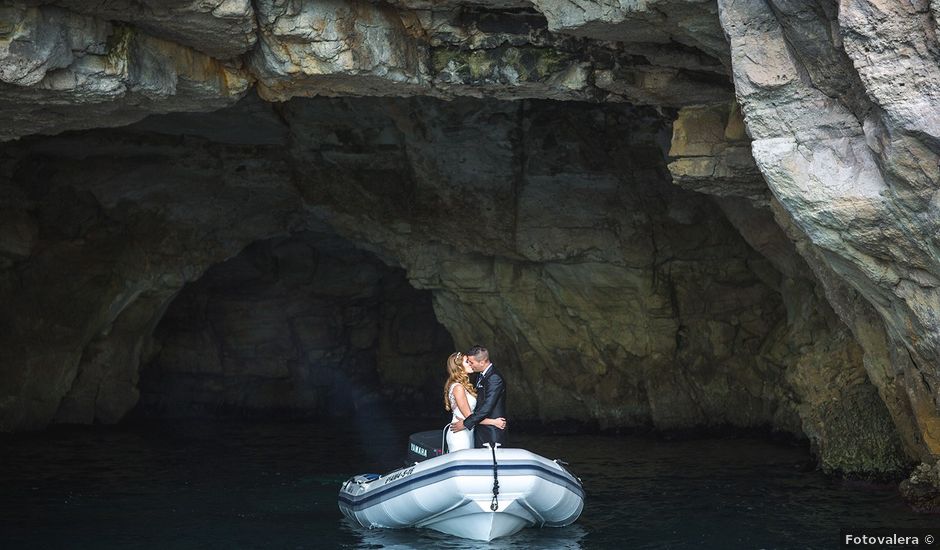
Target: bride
[461,398]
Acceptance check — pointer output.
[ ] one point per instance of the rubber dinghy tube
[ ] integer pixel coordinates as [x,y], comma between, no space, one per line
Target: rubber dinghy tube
[495,504]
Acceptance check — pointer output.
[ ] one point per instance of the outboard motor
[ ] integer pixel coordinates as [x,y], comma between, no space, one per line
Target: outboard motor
[425,445]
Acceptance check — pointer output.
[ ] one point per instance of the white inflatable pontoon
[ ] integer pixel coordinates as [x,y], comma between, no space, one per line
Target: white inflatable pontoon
[462,494]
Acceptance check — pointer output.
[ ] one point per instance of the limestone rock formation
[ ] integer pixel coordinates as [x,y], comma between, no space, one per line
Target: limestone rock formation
[337,47]
[711,153]
[922,489]
[114,63]
[572,257]
[779,268]
[222,29]
[660,22]
[846,164]
[359,48]
[60,70]
[543,229]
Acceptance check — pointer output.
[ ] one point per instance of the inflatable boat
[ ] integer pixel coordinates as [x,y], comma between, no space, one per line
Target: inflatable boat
[477,494]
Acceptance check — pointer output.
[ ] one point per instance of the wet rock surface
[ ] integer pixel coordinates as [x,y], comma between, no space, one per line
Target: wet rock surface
[922,488]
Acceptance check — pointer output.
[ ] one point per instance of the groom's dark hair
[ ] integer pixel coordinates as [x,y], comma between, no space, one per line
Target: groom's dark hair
[478,350]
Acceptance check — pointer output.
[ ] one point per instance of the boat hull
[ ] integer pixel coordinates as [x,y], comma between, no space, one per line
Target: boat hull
[453,494]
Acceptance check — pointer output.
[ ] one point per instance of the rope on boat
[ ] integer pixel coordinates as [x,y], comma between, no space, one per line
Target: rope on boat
[495,504]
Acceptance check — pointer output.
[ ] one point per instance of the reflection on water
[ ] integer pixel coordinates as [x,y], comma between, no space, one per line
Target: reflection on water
[567,538]
[275,485]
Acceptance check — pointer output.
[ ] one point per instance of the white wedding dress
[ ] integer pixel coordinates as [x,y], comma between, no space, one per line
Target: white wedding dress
[463,439]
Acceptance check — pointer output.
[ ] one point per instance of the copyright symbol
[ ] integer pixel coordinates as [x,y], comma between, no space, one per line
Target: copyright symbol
[928,539]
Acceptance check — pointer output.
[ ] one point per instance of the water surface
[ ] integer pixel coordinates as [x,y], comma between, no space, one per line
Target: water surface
[237,484]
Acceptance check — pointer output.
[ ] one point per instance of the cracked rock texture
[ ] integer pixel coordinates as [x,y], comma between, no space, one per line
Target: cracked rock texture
[222,29]
[856,171]
[728,216]
[60,70]
[70,65]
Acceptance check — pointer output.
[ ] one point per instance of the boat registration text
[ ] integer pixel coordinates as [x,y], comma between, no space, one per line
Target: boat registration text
[399,474]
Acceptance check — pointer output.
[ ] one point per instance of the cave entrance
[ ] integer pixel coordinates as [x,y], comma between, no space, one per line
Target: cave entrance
[305,326]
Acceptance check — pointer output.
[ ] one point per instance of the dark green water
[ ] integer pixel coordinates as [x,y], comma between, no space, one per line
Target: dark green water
[274,485]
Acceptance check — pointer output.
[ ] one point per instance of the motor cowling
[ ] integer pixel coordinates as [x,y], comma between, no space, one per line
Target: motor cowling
[424,445]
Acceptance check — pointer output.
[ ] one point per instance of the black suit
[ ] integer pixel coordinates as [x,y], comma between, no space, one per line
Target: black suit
[491,403]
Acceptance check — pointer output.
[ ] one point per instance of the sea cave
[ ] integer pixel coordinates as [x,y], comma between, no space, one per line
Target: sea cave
[679,219]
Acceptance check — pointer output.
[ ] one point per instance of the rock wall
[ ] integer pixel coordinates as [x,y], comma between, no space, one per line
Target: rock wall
[833,374]
[97,243]
[558,241]
[643,297]
[62,70]
[841,104]
[305,325]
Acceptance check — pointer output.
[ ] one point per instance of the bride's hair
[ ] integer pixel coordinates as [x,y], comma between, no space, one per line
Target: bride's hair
[455,373]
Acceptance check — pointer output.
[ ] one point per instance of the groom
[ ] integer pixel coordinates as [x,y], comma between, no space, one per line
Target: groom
[491,400]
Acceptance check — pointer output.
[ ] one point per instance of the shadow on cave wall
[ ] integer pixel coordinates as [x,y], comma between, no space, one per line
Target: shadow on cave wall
[306,326]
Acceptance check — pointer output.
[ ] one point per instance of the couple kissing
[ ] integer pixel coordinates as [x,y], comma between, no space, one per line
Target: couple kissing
[479,409]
